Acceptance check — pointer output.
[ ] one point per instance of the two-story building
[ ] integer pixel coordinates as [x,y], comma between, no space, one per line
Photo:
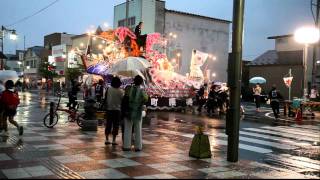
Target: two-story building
[33,57]
[14,62]
[184,32]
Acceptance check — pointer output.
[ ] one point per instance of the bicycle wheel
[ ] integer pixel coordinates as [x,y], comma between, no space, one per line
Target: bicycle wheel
[49,123]
[80,119]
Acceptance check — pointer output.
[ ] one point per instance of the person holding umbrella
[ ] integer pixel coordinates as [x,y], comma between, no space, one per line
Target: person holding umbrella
[257,93]
[257,90]
[136,100]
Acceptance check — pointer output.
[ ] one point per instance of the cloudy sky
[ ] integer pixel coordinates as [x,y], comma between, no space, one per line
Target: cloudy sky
[263,18]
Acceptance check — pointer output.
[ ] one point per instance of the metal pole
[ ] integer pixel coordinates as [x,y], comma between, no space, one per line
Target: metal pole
[2,49]
[234,81]
[127,13]
[314,62]
[24,53]
[305,79]
[290,85]
[2,38]
[23,61]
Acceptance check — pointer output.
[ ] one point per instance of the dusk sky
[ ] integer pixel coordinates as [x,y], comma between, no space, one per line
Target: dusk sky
[263,18]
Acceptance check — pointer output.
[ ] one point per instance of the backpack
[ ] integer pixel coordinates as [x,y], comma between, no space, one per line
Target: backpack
[10,99]
[274,94]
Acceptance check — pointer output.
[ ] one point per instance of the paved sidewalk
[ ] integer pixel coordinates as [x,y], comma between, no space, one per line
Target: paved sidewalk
[67,152]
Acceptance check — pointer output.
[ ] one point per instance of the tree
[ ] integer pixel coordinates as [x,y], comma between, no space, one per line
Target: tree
[74,73]
[46,70]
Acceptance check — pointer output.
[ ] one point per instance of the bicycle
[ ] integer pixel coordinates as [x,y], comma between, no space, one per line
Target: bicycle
[52,118]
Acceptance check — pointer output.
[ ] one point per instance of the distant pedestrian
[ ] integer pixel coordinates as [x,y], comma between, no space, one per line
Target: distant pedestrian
[72,94]
[99,90]
[112,103]
[257,96]
[314,94]
[212,102]
[9,101]
[275,97]
[137,98]
[63,84]
[201,98]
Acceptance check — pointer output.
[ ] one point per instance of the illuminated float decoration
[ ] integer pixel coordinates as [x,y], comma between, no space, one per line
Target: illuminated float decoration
[162,81]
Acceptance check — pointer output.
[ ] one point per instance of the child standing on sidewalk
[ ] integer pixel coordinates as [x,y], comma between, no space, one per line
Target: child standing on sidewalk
[9,101]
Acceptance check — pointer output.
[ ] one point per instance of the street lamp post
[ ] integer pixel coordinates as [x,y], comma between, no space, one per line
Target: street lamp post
[12,36]
[306,36]
[234,81]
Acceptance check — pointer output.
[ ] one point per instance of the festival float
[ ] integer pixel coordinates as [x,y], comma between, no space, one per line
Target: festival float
[166,88]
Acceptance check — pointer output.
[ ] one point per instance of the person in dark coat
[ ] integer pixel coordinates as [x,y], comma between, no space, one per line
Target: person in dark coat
[275,97]
[73,95]
[200,97]
[141,39]
[212,100]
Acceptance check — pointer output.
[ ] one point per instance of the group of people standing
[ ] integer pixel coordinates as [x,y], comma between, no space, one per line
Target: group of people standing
[124,109]
[216,98]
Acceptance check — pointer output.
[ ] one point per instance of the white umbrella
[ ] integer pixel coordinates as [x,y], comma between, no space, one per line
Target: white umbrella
[130,66]
[6,75]
[256,80]
[132,73]
[217,83]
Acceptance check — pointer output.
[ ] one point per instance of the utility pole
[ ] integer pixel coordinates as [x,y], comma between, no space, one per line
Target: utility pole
[23,62]
[127,13]
[290,75]
[2,49]
[234,81]
[316,45]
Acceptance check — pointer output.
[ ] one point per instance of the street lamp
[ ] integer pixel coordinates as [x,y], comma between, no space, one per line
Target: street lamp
[19,63]
[306,36]
[12,36]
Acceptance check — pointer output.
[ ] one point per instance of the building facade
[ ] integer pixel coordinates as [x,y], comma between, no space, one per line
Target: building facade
[60,45]
[14,62]
[33,57]
[206,34]
[274,65]
[55,39]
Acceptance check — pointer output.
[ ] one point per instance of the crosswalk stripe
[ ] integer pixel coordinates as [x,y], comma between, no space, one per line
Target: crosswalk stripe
[285,140]
[242,146]
[218,141]
[293,162]
[281,134]
[262,142]
[291,131]
[308,160]
[317,128]
[304,131]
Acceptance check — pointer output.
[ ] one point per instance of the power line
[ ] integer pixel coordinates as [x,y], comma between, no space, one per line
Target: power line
[27,17]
